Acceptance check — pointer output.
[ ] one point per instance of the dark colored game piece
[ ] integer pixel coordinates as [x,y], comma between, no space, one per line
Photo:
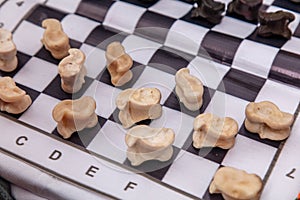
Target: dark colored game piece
[209,10]
[247,9]
[275,23]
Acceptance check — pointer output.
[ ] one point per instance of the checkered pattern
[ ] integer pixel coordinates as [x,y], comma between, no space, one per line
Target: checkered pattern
[235,65]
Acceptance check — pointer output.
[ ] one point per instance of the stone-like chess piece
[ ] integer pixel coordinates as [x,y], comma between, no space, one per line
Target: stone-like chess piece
[75,115]
[13,99]
[8,51]
[275,23]
[210,10]
[54,38]
[72,71]
[247,9]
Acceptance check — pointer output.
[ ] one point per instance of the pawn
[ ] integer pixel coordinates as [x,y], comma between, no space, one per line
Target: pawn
[75,115]
[54,38]
[247,9]
[118,64]
[72,71]
[275,23]
[210,10]
[8,52]
[13,99]
[146,143]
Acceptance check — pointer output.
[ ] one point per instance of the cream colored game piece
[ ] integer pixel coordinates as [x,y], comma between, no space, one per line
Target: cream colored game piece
[75,115]
[268,121]
[54,38]
[146,143]
[235,184]
[118,64]
[72,71]
[189,89]
[12,99]
[212,131]
[8,51]
[138,104]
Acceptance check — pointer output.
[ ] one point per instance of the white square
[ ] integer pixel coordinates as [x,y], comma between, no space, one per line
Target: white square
[11,14]
[129,13]
[140,49]
[294,24]
[235,27]
[292,45]
[28,38]
[152,77]
[36,74]
[185,36]
[254,58]
[210,73]
[64,5]
[77,27]
[250,155]
[104,96]
[180,123]
[285,97]
[95,60]
[110,142]
[39,114]
[171,8]
[191,173]
[225,105]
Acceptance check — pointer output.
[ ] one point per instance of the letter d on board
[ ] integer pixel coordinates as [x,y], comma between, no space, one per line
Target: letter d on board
[55,155]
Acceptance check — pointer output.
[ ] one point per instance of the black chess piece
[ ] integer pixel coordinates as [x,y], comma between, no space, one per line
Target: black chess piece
[275,23]
[209,10]
[247,9]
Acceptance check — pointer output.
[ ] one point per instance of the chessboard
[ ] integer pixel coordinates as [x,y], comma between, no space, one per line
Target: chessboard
[235,65]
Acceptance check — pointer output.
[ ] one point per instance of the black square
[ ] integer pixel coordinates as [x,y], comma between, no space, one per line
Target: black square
[173,102]
[94,9]
[54,89]
[275,41]
[243,131]
[137,69]
[84,137]
[42,12]
[288,5]
[33,95]
[154,26]
[241,84]
[220,47]
[154,168]
[100,37]
[197,20]
[142,3]
[169,60]
[286,68]
[44,54]
[22,60]
[214,154]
